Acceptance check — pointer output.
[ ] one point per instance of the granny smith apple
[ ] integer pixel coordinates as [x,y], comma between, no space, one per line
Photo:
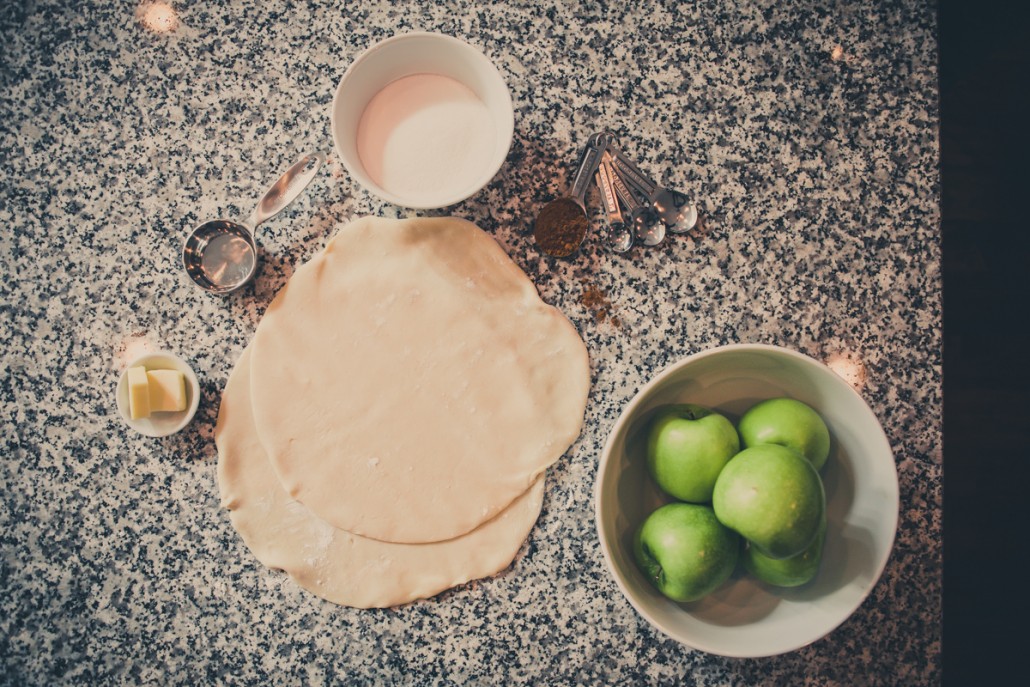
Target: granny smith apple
[795,571]
[789,423]
[685,551]
[772,497]
[687,447]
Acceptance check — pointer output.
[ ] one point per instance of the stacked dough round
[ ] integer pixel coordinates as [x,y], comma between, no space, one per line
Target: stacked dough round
[384,436]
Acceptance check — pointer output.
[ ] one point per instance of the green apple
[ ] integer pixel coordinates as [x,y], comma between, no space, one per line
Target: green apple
[772,497]
[685,551]
[789,423]
[795,571]
[687,447]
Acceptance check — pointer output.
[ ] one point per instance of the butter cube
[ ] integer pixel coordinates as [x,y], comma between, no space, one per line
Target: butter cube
[139,392]
[167,390]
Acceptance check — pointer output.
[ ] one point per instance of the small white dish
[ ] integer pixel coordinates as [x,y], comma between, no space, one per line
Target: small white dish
[159,424]
[411,138]
[745,618]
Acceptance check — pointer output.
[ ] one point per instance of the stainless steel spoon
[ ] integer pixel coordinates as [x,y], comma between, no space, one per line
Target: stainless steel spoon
[220,256]
[618,235]
[648,228]
[562,224]
[674,208]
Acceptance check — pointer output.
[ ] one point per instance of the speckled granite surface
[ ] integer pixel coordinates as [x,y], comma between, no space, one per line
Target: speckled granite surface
[808,132]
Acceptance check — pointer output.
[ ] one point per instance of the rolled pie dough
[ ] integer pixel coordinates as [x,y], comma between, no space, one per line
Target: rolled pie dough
[408,383]
[336,565]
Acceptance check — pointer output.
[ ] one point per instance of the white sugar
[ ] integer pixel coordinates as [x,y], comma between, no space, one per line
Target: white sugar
[425,136]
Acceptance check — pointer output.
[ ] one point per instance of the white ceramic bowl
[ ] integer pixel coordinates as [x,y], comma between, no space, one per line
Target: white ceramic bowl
[159,424]
[744,617]
[407,55]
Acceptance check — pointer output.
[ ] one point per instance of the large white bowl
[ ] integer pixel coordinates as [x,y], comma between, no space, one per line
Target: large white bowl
[409,54]
[744,617]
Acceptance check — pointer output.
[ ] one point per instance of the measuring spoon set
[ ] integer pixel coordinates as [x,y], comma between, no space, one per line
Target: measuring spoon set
[636,209]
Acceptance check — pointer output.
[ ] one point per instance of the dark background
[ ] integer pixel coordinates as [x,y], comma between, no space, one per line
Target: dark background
[985,201]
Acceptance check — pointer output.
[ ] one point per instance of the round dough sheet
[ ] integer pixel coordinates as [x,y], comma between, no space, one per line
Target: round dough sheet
[336,565]
[409,383]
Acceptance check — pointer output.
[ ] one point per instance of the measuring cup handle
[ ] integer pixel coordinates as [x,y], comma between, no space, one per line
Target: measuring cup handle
[287,189]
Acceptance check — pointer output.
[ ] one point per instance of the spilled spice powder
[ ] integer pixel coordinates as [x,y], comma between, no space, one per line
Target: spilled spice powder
[560,227]
[596,301]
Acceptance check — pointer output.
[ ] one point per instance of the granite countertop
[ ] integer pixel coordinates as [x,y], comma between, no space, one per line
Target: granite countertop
[807,132]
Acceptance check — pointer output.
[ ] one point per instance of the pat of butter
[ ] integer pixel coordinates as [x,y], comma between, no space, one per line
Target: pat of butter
[167,390]
[139,392]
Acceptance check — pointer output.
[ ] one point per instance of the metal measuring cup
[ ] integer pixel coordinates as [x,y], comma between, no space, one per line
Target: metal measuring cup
[220,256]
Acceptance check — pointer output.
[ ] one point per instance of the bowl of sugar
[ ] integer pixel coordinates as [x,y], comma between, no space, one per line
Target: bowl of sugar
[422,120]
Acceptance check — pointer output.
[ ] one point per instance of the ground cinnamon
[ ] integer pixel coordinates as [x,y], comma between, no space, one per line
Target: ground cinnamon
[599,305]
[560,227]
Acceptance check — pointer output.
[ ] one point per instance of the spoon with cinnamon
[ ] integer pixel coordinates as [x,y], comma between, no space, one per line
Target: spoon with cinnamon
[562,224]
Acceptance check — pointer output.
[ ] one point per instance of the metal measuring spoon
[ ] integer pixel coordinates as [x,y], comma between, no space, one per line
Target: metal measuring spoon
[674,208]
[619,237]
[562,224]
[220,256]
[647,226]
